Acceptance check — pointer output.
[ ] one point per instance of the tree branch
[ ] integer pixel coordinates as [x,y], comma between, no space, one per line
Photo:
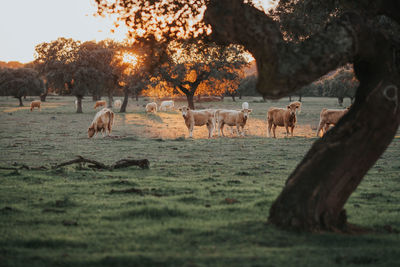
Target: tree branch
[282,67]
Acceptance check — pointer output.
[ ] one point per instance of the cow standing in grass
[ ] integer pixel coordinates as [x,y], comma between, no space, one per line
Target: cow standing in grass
[236,118]
[283,117]
[36,104]
[102,122]
[198,118]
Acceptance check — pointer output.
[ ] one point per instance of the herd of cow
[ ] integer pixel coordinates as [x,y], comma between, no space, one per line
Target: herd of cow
[215,118]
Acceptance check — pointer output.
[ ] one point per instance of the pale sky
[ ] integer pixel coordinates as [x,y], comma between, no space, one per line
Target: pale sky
[26,23]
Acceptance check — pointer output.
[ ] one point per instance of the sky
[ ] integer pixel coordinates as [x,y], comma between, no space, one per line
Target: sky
[27,23]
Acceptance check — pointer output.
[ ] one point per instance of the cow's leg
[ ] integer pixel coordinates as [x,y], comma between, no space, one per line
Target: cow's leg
[269,128]
[222,129]
[191,131]
[273,130]
[238,129]
[291,130]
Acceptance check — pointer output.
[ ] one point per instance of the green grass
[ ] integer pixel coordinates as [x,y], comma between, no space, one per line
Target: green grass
[202,202]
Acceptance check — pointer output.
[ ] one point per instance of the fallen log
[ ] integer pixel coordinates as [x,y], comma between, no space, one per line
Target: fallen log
[123,163]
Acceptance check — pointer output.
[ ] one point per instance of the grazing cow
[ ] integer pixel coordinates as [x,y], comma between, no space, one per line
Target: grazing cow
[100,103]
[283,117]
[236,118]
[198,118]
[329,117]
[102,122]
[117,103]
[151,107]
[166,105]
[36,104]
[245,105]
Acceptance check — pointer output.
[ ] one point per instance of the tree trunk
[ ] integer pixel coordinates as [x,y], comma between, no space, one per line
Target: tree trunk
[340,100]
[190,101]
[136,96]
[290,98]
[300,98]
[43,97]
[110,100]
[317,190]
[233,98]
[79,107]
[125,102]
[20,101]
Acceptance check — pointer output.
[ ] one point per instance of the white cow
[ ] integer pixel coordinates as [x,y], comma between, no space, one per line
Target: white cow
[169,104]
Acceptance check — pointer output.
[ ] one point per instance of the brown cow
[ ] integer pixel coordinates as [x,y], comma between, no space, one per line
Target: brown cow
[36,104]
[198,118]
[102,122]
[283,117]
[236,118]
[329,117]
[100,103]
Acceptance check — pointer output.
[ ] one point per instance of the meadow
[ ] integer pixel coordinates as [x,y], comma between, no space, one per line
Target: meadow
[202,202]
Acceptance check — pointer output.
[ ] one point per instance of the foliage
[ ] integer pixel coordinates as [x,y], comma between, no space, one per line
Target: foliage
[20,82]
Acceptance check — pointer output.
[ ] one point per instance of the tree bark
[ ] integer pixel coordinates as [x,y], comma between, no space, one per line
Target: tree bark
[110,101]
[79,106]
[125,102]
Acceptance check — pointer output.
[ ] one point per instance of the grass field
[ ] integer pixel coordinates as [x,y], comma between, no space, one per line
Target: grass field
[203,202]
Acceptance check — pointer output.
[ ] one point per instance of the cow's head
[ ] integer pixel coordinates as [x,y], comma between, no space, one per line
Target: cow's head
[292,109]
[246,112]
[184,111]
[90,132]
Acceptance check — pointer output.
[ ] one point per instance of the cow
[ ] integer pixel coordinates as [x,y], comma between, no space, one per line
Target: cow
[329,117]
[198,118]
[117,103]
[102,122]
[245,105]
[283,117]
[151,107]
[100,103]
[36,104]
[236,118]
[166,105]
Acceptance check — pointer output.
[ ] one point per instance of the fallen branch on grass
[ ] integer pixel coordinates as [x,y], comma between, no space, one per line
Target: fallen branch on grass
[123,163]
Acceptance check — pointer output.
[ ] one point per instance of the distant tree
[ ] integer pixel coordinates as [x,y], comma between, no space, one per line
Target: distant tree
[20,82]
[208,67]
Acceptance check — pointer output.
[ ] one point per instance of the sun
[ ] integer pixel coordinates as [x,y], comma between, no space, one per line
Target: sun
[129,58]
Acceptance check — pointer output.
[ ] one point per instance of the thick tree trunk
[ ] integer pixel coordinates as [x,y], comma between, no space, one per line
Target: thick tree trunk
[190,101]
[20,101]
[233,98]
[79,106]
[125,102]
[300,98]
[317,190]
